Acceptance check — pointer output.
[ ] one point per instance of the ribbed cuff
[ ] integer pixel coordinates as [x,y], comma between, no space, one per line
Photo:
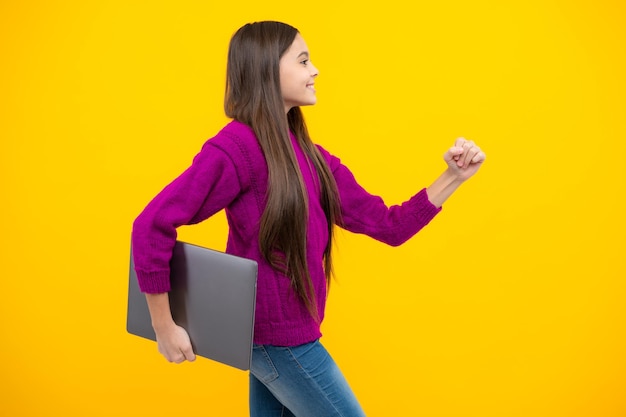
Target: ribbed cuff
[425,211]
[154,282]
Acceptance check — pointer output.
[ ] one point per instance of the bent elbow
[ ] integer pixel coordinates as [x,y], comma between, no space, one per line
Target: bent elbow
[394,240]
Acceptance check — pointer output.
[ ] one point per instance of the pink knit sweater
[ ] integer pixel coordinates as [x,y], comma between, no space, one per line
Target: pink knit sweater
[230,173]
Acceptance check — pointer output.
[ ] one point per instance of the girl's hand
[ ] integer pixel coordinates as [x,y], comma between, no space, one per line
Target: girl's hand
[464,159]
[173,343]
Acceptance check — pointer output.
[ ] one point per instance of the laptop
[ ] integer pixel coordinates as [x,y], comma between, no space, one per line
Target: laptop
[213,296]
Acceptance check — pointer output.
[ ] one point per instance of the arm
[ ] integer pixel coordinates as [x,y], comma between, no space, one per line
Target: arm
[463,159]
[172,340]
[368,214]
[206,187]
[365,213]
[184,201]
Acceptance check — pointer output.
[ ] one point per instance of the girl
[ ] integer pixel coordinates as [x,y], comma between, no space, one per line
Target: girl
[282,196]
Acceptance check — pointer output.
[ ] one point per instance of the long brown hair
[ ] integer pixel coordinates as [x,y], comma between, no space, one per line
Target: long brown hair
[253,96]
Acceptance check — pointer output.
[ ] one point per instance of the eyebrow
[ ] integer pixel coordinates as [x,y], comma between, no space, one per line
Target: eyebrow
[305,53]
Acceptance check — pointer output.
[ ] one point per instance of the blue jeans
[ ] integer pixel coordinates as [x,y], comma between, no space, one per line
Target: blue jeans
[299,381]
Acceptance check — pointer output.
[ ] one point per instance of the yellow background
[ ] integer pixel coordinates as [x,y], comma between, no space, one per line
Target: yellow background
[511,303]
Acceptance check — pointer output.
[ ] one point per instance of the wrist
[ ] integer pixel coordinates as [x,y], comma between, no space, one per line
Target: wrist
[160,312]
[443,187]
[452,176]
[163,324]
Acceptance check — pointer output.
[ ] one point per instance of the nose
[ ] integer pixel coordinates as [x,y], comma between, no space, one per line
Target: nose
[314,71]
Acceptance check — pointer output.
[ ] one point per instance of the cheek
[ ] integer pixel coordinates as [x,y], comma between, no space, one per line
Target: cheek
[290,85]
[286,82]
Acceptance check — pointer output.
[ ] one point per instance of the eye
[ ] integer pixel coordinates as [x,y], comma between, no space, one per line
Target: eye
[305,62]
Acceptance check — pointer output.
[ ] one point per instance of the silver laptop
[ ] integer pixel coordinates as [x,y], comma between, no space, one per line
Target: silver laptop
[213,297]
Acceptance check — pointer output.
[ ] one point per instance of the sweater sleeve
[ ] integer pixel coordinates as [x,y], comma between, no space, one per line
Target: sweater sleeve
[203,189]
[368,214]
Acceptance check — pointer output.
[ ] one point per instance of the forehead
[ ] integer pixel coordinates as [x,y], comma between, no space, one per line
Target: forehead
[298,47]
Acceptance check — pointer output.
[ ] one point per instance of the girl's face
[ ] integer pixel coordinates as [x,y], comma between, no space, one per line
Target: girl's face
[297,75]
